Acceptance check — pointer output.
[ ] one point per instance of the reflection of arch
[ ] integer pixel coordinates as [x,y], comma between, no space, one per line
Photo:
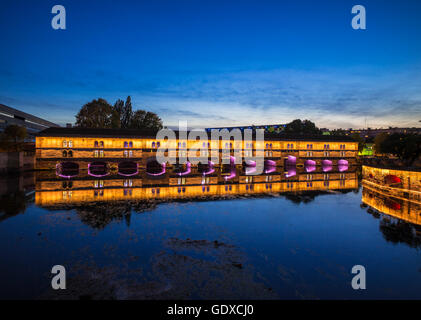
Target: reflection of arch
[154,168]
[98,169]
[292,171]
[128,168]
[326,165]
[207,170]
[232,174]
[67,169]
[342,162]
[187,171]
[291,161]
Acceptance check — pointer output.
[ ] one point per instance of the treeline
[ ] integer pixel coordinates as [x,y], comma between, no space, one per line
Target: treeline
[100,114]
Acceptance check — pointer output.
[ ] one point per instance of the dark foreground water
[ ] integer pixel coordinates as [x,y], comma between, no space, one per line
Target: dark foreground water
[274,246]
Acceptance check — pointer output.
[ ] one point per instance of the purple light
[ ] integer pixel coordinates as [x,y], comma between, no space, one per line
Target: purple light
[309,163]
[270,169]
[270,163]
[343,162]
[291,161]
[310,168]
[232,160]
[188,170]
[327,168]
[343,167]
[250,170]
[291,173]
[211,169]
[326,163]
[233,173]
[250,163]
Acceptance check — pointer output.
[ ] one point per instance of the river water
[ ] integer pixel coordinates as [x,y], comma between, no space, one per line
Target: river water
[285,237]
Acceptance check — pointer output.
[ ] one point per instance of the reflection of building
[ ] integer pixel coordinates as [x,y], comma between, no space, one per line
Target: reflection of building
[116,147]
[33,124]
[52,190]
[394,192]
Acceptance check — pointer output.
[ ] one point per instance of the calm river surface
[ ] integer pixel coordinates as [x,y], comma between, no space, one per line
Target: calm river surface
[300,244]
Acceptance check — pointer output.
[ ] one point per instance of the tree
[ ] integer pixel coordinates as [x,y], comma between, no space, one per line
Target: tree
[13,137]
[100,114]
[126,113]
[406,147]
[95,114]
[361,142]
[299,126]
[378,140]
[116,114]
[142,119]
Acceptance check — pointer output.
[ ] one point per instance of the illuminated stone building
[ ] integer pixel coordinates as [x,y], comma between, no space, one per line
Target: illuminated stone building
[119,149]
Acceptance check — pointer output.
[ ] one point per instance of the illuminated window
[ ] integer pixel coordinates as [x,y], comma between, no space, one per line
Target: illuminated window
[153,144]
[96,153]
[125,153]
[96,144]
[101,153]
[101,144]
[158,144]
[64,144]
[70,144]
[130,153]
[126,144]
[130,144]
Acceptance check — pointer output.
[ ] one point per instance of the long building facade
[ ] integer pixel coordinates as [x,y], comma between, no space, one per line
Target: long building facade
[116,148]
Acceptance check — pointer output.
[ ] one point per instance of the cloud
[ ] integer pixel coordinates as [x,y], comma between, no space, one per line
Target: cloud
[331,98]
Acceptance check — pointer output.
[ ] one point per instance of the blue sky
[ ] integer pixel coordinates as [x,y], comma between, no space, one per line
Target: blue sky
[216,63]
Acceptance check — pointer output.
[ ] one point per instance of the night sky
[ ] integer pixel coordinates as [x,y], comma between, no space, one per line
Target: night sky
[216,63]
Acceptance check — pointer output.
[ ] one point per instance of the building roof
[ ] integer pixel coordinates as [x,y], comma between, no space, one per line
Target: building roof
[11,112]
[138,133]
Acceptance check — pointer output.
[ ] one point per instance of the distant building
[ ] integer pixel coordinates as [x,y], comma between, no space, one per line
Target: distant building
[33,124]
[269,128]
[372,133]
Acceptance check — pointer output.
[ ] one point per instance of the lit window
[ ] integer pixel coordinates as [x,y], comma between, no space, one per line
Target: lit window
[96,144]
[64,144]
[101,144]
[130,144]
[158,144]
[101,153]
[130,153]
[96,153]
[125,153]
[126,144]
[70,144]
[153,144]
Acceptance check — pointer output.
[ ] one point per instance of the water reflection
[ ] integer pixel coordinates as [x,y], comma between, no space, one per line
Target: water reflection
[84,189]
[396,201]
